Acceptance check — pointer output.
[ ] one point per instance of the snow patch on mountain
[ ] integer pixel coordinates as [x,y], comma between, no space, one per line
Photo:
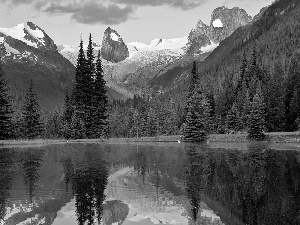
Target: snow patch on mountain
[114,37]
[1,39]
[173,44]
[217,23]
[209,48]
[10,50]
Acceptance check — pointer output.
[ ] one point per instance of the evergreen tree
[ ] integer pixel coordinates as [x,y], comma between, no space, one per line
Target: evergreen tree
[99,107]
[195,119]
[275,101]
[78,89]
[256,121]
[233,119]
[31,115]
[246,111]
[5,108]
[89,78]
[67,116]
[77,126]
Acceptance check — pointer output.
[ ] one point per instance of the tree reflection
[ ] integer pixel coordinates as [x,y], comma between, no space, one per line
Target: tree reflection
[88,182]
[31,163]
[6,163]
[259,186]
[194,180]
[68,171]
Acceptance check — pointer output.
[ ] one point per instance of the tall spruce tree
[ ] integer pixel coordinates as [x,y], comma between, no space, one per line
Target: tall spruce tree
[5,108]
[31,115]
[99,119]
[89,78]
[194,130]
[256,121]
[233,120]
[67,116]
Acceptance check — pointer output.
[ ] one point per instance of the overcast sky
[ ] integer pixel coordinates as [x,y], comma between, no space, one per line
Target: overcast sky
[135,20]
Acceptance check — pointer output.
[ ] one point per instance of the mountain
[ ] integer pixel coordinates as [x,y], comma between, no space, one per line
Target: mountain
[113,47]
[143,68]
[29,53]
[145,60]
[223,23]
[202,41]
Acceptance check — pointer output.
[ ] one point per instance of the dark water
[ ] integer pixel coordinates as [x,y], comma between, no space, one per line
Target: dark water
[131,184]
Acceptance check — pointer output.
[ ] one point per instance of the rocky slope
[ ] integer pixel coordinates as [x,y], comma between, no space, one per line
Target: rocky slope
[113,47]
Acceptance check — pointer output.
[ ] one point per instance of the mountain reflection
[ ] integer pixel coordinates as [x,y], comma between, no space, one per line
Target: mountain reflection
[257,186]
[6,163]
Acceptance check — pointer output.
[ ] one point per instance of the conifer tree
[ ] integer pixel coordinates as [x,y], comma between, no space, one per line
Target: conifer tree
[233,119]
[78,89]
[194,130]
[246,110]
[5,108]
[67,116]
[77,126]
[89,78]
[99,103]
[256,121]
[31,115]
[275,109]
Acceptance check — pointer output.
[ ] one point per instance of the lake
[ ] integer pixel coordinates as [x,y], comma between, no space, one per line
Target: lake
[149,184]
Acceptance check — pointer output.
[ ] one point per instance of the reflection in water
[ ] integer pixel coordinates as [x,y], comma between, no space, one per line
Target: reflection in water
[88,182]
[150,184]
[6,173]
[260,186]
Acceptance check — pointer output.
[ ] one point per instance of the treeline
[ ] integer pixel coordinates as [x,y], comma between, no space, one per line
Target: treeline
[84,114]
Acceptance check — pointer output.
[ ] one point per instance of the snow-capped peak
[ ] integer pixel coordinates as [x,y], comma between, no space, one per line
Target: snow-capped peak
[21,32]
[217,23]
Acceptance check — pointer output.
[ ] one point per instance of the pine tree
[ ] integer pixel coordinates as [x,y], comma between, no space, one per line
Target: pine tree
[246,110]
[275,113]
[77,126]
[195,119]
[99,103]
[256,121]
[67,116]
[89,78]
[5,108]
[233,119]
[78,89]
[31,115]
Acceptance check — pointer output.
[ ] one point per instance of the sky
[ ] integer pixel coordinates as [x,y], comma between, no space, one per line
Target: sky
[65,21]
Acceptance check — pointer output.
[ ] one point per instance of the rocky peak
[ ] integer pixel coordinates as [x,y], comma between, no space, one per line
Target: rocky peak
[113,47]
[223,23]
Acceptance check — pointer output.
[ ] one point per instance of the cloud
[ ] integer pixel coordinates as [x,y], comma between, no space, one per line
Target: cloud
[181,4]
[92,12]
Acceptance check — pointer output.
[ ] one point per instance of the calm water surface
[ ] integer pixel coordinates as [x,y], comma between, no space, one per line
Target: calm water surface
[149,184]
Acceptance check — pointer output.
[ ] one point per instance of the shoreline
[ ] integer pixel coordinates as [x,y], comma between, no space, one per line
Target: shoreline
[276,137]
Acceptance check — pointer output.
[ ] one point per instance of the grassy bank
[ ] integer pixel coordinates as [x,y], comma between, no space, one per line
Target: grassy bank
[278,137]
